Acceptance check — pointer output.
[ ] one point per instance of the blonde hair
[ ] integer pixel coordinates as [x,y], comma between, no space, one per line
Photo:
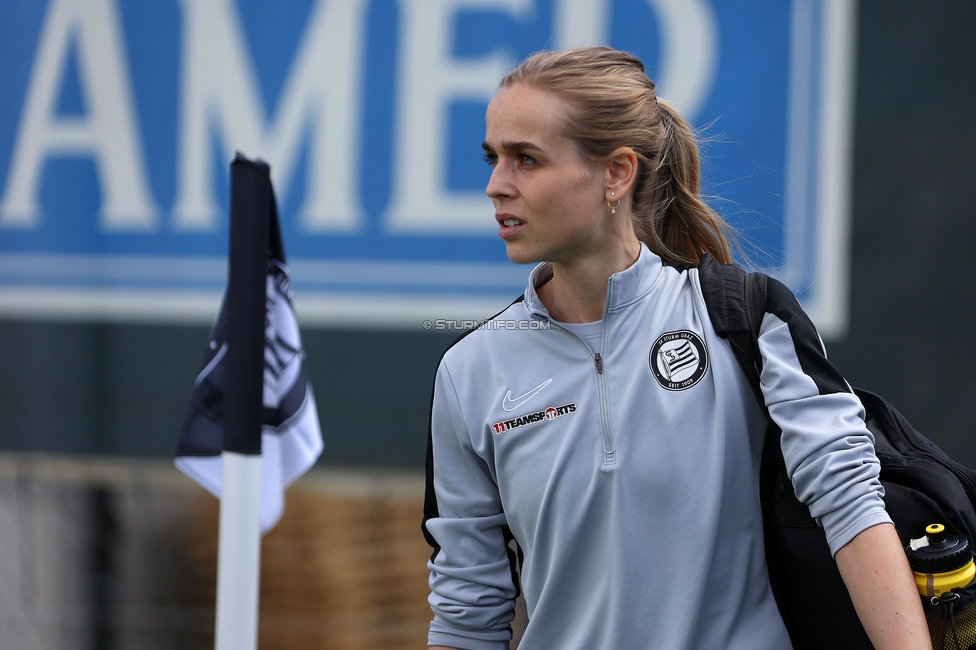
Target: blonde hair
[614,105]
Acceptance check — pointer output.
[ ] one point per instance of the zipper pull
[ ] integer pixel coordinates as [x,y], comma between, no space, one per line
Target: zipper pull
[599,363]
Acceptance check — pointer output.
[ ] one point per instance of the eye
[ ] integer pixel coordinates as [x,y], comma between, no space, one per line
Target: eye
[526,160]
[490,158]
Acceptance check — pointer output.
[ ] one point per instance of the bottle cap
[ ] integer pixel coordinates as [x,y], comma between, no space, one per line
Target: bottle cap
[942,554]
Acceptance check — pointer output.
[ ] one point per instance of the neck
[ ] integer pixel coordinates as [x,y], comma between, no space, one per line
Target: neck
[577,292]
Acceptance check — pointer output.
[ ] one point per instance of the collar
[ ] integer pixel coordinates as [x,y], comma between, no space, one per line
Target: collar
[623,287]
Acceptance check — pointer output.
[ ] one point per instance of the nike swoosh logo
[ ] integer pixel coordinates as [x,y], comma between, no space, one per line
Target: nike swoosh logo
[510,404]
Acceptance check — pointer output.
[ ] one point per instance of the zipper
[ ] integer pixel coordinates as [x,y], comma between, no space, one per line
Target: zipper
[609,452]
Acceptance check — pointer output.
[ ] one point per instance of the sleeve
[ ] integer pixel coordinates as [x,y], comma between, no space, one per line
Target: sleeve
[471,581]
[828,450]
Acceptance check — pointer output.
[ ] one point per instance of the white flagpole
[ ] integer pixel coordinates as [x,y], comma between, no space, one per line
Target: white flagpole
[239,553]
[239,547]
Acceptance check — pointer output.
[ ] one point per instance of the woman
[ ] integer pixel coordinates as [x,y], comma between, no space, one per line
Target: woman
[601,422]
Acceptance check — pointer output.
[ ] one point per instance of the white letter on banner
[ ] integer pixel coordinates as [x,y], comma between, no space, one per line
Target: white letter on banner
[689,52]
[322,94]
[430,79]
[106,132]
[579,24]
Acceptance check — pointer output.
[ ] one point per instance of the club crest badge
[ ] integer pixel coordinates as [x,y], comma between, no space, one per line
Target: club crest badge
[678,360]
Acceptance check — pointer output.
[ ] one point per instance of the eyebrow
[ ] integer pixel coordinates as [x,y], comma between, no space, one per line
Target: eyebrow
[512,146]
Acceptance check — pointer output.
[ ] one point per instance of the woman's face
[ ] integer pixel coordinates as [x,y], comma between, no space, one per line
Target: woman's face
[549,200]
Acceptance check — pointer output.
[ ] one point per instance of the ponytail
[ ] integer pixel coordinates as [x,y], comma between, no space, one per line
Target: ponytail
[670,216]
[616,105]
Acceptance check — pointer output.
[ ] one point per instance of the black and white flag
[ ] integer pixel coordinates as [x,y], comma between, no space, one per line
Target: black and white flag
[291,439]
[677,359]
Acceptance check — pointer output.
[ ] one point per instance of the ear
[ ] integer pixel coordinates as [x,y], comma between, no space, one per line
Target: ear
[619,173]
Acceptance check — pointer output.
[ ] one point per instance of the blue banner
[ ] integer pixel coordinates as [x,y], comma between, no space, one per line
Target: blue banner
[118,121]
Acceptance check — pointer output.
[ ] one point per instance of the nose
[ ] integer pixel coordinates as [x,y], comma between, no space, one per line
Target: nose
[499,185]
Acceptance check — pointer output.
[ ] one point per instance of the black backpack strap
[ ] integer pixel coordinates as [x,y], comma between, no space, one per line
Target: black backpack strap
[736,302]
[808,589]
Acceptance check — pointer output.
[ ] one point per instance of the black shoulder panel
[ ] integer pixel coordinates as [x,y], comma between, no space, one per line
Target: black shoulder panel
[809,349]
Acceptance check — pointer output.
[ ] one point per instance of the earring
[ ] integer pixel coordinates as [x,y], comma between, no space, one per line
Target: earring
[613,208]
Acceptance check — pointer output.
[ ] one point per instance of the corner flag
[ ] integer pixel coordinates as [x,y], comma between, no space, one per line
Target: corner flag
[291,439]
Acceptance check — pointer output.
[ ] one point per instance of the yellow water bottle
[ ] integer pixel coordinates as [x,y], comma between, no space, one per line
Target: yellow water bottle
[940,561]
[944,572]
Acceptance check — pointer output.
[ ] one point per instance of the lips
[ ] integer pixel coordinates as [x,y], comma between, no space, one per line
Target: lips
[508,225]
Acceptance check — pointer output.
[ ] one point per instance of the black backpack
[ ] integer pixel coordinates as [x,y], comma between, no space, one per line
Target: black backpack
[922,485]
